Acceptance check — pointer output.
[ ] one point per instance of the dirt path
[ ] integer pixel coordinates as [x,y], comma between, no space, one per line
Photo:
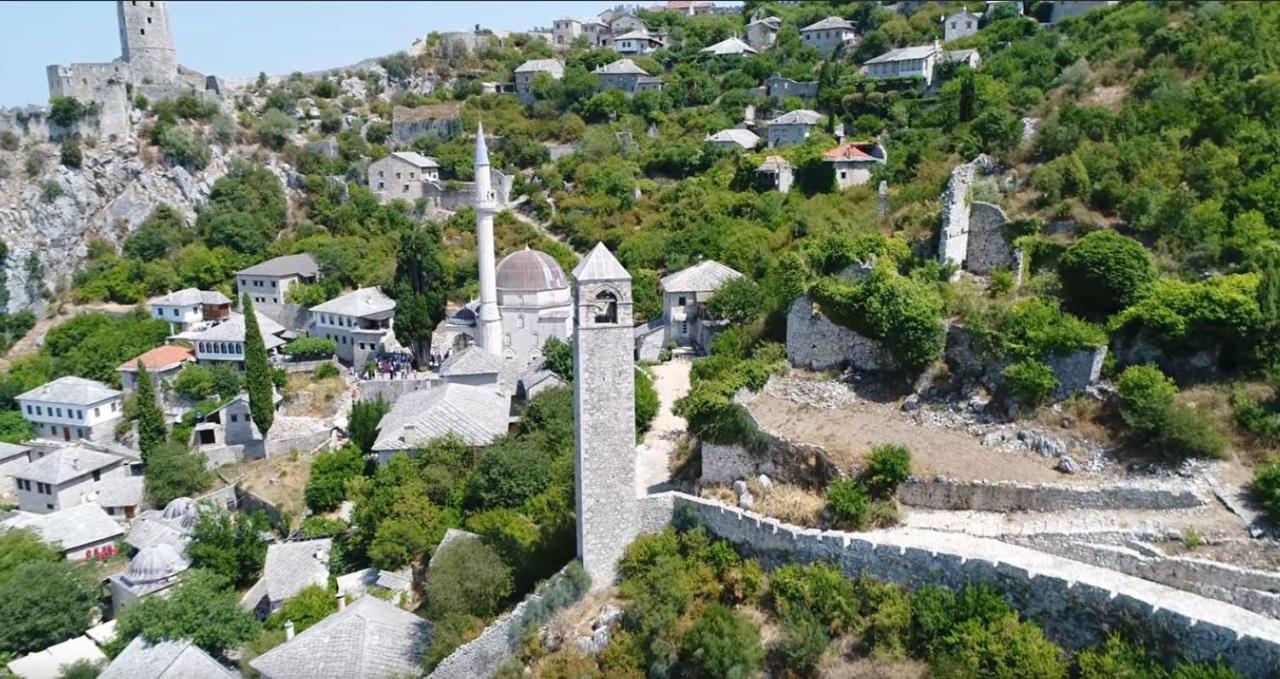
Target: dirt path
[30,343]
[1209,520]
[653,460]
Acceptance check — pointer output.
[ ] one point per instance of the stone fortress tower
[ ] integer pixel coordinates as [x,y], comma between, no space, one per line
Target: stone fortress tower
[145,41]
[488,320]
[604,408]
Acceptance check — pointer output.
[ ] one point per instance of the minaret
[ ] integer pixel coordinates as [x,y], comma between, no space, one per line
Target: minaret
[604,414]
[489,323]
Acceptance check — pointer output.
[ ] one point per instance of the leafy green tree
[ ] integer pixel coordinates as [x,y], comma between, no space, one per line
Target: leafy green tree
[159,236]
[509,473]
[326,488]
[1266,485]
[739,301]
[203,608]
[420,289]
[887,467]
[44,603]
[70,153]
[721,643]
[306,608]
[173,471]
[1105,272]
[1269,290]
[257,372]
[1003,649]
[151,427]
[557,356]
[21,547]
[14,428]
[185,147]
[467,577]
[362,424]
[274,128]
[647,403]
[1031,381]
[67,111]
[229,545]
[245,210]
[194,381]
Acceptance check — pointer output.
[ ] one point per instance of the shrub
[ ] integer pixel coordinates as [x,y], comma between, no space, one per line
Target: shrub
[185,147]
[1266,484]
[326,489]
[50,190]
[274,128]
[887,467]
[33,164]
[195,382]
[886,617]
[721,644]
[362,424]
[310,348]
[1117,659]
[8,141]
[646,398]
[1031,382]
[1002,648]
[467,577]
[1256,419]
[849,504]
[1148,408]
[70,154]
[1221,311]
[508,474]
[738,301]
[819,589]
[803,642]
[173,471]
[325,371]
[67,111]
[1105,272]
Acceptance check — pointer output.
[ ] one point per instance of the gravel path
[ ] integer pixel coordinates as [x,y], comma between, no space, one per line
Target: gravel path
[653,457]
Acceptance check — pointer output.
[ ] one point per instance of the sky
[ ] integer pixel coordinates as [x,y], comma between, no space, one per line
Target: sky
[241,39]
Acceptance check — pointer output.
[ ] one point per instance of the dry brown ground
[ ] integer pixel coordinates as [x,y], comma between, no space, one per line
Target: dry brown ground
[849,433]
[310,397]
[279,480]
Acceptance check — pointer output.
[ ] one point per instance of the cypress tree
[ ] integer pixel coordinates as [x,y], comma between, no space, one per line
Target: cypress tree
[257,371]
[151,429]
[420,289]
[1269,290]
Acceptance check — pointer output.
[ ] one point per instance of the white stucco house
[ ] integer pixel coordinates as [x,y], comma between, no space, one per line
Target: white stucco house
[920,61]
[64,477]
[853,161]
[224,343]
[829,34]
[635,42]
[72,408]
[792,128]
[360,322]
[269,281]
[684,320]
[185,309]
[775,174]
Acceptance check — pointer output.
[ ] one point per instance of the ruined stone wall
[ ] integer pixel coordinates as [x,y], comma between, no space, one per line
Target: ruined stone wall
[1077,370]
[1009,496]
[987,249]
[953,238]
[784,460]
[1074,371]
[438,194]
[971,236]
[816,343]
[28,123]
[1078,605]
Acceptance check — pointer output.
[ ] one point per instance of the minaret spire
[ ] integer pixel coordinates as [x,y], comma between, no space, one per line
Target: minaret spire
[489,323]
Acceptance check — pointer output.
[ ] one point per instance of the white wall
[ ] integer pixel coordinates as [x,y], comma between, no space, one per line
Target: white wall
[264,289]
[788,135]
[67,495]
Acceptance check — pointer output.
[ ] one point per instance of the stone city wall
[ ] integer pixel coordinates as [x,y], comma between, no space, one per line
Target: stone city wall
[1009,496]
[1078,605]
[28,123]
[1254,590]
[988,250]
[438,194]
[971,235]
[816,343]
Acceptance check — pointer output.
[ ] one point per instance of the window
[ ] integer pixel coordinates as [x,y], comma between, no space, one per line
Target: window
[59,412]
[142,31]
[115,407]
[684,327]
[28,408]
[149,18]
[48,506]
[24,484]
[680,301]
[234,416]
[96,411]
[273,284]
[606,307]
[39,410]
[405,189]
[410,175]
[80,431]
[397,175]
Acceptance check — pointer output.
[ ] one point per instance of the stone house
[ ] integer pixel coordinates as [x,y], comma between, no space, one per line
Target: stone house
[734,139]
[72,408]
[762,33]
[368,639]
[477,414]
[565,30]
[401,175]
[526,72]
[596,31]
[775,174]
[962,24]
[224,343]
[162,363]
[225,433]
[729,47]
[853,161]
[190,307]
[64,478]
[920,61]
[269,281]
[792,128]
[685,294]
[360,321]
[441,120]
[290,567]
[12,458]
[82,532]
[779,88]
[829,34]
[473,366]
[625,75]
[626,23]
[180,659]
[636,42]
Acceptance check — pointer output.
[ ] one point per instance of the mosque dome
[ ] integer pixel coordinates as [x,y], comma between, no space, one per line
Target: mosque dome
[530,271]
[182,511]
[154,562]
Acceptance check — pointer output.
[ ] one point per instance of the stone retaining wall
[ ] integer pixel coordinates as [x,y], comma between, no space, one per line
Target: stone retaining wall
[1078,605]
[816,343]
[787,461]
[1074,371]
[390,390]
[1007,496]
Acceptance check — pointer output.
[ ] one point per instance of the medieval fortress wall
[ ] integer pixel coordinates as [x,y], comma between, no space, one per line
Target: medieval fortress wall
[971,236]
[1077,604]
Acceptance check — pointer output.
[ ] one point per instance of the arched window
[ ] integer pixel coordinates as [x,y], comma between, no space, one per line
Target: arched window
[606,307]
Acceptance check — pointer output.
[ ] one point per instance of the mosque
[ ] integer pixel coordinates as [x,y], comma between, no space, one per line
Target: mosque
[524,299]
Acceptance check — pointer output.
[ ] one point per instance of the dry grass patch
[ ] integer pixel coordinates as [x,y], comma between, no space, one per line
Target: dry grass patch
[306,396]
[791,504]
[280,480]
[721,494]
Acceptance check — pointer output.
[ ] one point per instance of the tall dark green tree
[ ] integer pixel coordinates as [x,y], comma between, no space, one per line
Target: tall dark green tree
[257,372]
[420,289]
[151,429]
[1269,290]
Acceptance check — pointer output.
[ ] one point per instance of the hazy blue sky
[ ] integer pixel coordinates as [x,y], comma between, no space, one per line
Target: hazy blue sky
[240,39]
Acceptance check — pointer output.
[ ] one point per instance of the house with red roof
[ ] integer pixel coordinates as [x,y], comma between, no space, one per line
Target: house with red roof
[853,161]
[163,364]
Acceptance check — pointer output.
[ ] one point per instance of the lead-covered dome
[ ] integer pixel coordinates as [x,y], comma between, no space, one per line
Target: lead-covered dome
[155,562]
[530,271]
[181,511]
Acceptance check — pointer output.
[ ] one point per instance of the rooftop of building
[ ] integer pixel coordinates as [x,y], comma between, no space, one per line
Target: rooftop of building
[529,270]
[160,358]
[190,297]
[416,159]
[476,414]
[362,303]
[71,390]
[289,265]
[369,639]
[64,464]
[705,276]
[620,67]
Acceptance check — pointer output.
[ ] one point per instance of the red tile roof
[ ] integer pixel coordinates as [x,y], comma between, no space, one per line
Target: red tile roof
[851,150]
[160,358]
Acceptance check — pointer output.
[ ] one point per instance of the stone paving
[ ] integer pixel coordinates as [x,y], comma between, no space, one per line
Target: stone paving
[653,456]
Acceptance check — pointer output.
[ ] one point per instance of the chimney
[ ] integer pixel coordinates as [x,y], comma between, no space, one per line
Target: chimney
[342,600]
[288,630]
